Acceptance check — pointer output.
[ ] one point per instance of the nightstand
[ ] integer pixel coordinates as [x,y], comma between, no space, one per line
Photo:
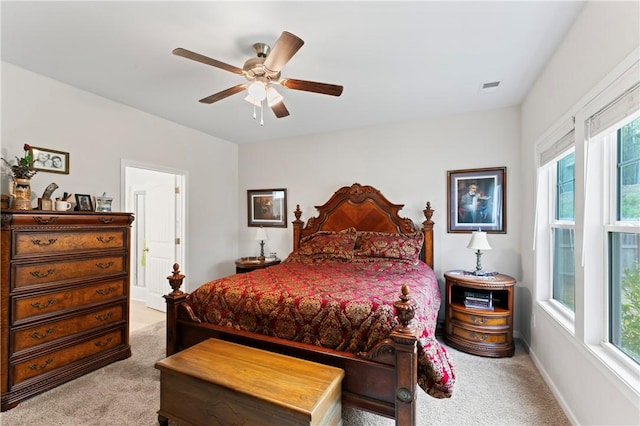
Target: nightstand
[248,264]
[479,313]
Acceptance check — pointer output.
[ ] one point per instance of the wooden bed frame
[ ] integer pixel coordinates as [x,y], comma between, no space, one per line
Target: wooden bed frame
[382,381]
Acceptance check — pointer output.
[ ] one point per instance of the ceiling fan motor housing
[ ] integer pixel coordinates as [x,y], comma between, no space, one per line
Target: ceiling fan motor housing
[254,68]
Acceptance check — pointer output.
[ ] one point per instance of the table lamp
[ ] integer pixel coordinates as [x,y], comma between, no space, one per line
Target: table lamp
[261,236]
[479,242]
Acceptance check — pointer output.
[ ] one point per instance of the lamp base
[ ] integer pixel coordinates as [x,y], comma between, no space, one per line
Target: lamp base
[479,272]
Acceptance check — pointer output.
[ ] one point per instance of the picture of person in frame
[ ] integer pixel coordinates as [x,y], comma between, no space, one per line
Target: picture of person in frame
[475,204]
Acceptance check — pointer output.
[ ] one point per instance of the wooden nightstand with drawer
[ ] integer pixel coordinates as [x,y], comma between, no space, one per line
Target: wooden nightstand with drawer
[479,313]
[65,297]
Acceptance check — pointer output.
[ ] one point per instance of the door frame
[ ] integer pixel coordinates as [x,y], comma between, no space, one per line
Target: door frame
[181,206]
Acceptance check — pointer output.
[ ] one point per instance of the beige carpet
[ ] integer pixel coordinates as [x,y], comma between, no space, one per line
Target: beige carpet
[504,391]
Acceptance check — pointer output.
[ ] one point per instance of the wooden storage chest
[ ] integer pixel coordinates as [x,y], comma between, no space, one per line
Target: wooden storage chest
[218,382]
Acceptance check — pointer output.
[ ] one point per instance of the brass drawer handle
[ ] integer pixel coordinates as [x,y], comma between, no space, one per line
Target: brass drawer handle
[36,367]
[482,319]
[39,274]
[106,219]
[101,317]
[107,240]
[44,221]
[105,292]
[37,305]
[44,244]
[103,266]
[103,344]
[37,335]
[483,337]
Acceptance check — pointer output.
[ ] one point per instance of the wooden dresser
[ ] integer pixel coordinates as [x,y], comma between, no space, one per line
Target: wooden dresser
[64,298]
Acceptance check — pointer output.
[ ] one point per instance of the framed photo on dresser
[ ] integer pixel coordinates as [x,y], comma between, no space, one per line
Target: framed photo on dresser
[84,203]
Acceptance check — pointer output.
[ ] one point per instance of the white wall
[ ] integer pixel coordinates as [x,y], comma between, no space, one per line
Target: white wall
[603,35]
[407,162]
[98,133]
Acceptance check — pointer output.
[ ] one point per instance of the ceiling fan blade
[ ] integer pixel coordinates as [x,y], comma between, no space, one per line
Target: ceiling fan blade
[280,110]
[312,86]
[205,60]
[224,94]
[286,46]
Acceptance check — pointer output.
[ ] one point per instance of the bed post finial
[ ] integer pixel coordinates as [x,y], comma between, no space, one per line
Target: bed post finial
[297,227]
[175,280]
[427,230]
[428,212]
[405,310]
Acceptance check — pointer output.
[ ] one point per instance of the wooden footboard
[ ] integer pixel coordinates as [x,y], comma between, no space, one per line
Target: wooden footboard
[382,381]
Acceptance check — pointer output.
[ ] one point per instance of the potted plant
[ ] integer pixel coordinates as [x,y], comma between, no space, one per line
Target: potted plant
[21,173]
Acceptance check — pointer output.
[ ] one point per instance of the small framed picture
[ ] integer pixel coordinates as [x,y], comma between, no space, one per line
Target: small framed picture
[267,207]
[50,160]
[84,203]
[477,200]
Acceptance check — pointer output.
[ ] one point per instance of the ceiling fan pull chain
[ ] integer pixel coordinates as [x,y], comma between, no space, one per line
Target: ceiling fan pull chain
[254,111]
[262,112]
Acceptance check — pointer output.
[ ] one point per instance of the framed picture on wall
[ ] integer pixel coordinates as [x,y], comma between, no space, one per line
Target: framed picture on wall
[477,200]
[267,207]
[50,160]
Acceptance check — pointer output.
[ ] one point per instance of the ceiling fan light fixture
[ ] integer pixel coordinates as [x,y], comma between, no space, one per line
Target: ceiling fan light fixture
[273,97]
[257,91]
[253,102]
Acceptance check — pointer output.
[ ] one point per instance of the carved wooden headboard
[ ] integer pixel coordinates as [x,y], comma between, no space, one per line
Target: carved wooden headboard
[363,207]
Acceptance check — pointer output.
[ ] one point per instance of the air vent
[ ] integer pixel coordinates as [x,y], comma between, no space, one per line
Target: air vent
[489,87]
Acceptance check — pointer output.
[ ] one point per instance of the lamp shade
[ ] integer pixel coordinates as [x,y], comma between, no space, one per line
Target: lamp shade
[253,101]
[273,97]
[261,235]
[257,91]
[479,241]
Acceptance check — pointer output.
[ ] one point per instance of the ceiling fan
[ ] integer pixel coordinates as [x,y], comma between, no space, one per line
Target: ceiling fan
[262,73]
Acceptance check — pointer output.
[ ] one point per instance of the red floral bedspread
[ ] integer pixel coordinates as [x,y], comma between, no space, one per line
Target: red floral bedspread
[337,305]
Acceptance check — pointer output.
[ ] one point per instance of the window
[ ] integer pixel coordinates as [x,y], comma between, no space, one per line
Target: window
[562,233]
[587,228]
[624,247]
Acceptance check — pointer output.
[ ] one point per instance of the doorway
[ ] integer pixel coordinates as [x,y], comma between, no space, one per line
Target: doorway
[156,197]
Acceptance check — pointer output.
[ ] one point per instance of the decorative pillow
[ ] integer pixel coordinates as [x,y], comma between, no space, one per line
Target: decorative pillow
[329,244]
[392,246]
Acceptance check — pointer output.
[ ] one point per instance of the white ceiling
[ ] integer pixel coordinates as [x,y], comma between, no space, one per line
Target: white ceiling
[397,61]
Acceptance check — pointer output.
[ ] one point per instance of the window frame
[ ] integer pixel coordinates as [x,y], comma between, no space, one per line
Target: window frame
[599,173]
[546,223]
[588,328]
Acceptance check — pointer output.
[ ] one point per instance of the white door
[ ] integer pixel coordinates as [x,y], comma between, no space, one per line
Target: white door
[160,227]
[156,198]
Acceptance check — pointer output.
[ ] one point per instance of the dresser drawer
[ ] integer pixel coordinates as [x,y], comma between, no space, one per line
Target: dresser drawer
[55,301]
[25,275]
[51,361]
[483,336]
[37,243]
[44,333]
[481,317]
[39,219]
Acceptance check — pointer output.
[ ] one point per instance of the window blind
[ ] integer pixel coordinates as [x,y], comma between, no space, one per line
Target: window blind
[622,107]
[558,148]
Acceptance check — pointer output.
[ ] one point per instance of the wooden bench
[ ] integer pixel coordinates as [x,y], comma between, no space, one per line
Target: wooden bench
[218,382]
